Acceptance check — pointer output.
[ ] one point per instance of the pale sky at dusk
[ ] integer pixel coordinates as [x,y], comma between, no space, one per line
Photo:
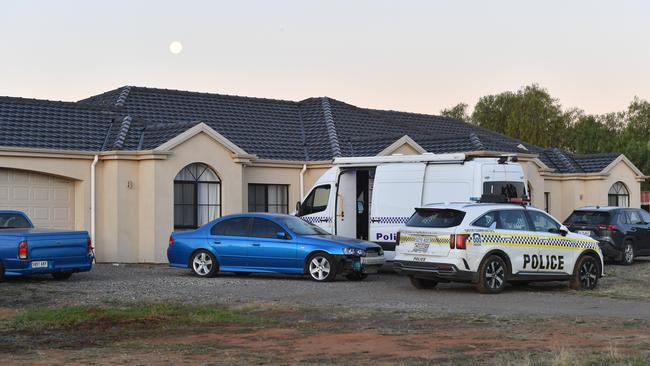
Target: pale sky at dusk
[417,56]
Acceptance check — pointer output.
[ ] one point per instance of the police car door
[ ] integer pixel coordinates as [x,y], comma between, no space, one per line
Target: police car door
[516,238]
[557,253]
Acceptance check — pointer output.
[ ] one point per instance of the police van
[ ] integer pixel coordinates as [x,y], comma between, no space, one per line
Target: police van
[491,244]
[370,198]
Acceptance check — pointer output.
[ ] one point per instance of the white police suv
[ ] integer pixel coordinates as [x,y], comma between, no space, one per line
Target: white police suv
[490,244]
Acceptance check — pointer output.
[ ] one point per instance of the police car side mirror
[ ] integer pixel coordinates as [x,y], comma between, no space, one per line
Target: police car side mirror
[564,230]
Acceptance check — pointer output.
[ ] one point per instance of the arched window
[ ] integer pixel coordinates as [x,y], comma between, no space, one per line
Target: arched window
[197,196]
[618,195]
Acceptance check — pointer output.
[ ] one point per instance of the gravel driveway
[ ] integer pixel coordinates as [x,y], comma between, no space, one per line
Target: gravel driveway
[108,283]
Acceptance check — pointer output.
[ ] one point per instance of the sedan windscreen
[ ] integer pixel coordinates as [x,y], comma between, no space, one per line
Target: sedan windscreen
[13,221]
[302,227]
[436,218]
[588,218]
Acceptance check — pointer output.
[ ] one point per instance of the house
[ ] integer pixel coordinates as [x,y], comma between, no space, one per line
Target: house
[645,200]
[132,164]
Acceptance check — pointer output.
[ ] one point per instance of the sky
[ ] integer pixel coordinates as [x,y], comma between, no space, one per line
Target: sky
[418,56]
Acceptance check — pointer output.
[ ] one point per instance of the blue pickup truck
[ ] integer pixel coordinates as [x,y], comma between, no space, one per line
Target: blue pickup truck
[25,250]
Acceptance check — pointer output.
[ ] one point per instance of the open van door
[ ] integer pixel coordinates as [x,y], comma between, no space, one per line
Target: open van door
[397,190]
[318,205]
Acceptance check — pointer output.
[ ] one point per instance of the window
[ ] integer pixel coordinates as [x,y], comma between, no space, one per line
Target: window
[13,221]
[618,195]
[508,189]
[268,198]
[436,218]
[543,223]
[231,227]
[634,218]
[316,201]
[263,228]
[487,220]
[197,196]
[589,217]
[512,220]
[547,202]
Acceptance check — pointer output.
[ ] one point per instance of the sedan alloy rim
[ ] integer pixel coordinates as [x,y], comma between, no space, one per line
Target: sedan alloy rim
[202,264]
[319,268]
[494,275]
[588,274]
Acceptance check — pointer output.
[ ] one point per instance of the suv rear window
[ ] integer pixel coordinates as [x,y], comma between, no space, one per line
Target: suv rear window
[588,218]
[436,218]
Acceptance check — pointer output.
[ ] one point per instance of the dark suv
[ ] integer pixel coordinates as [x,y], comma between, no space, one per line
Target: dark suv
[623,233]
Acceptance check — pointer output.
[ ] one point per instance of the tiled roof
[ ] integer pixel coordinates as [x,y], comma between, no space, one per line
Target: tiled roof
[53,125]
[136,118]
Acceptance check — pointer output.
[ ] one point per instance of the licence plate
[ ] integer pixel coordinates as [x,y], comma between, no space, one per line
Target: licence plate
[39,264]
[421,245]
[584,232]
[372,260]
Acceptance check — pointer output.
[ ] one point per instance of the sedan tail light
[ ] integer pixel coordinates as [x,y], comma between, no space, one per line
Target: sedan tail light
[22,249]
[171,240]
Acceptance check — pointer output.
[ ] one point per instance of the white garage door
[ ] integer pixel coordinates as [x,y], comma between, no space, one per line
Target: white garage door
[48,200]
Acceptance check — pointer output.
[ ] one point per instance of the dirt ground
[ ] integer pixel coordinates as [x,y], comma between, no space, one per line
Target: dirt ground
[332,336]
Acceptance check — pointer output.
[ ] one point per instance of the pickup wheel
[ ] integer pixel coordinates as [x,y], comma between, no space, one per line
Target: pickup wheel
[585,274]
[422,283]
[204,264]
[60,276]
[492,275]
[627,257]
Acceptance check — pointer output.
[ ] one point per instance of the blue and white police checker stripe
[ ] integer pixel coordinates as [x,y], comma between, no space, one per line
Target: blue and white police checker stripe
[389,219]
[526,240]
[317,219]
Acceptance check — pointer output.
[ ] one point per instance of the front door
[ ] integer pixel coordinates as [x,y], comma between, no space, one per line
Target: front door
[556,255]
[271,247]
[514,233]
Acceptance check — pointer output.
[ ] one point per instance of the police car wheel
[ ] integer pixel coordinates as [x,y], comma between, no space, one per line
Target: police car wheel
[422,283]
[627,257]
[585,274]
[492,275]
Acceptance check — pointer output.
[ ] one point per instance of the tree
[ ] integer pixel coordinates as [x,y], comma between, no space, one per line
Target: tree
[530,114]
[459,111]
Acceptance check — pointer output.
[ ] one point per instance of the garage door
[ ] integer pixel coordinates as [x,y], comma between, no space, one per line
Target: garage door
[48,200]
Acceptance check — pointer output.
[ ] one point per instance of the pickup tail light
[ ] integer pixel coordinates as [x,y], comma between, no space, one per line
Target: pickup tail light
[171,240]
[22,249]
[397,238]
[458,241]
[90,247]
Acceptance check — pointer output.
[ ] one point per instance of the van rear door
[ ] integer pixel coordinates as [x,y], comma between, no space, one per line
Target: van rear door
[396,191]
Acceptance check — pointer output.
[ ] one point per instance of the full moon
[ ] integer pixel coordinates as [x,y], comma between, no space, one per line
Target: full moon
[175,47]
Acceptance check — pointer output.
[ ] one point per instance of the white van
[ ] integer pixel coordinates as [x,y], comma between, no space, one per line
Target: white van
[370,198]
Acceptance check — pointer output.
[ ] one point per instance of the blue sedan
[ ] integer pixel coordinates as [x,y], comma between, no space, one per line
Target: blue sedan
[271,243]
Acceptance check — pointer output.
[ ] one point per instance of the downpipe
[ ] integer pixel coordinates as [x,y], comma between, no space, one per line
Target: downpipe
[93,182]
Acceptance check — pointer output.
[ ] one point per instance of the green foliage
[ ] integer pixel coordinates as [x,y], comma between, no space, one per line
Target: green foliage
[531,114]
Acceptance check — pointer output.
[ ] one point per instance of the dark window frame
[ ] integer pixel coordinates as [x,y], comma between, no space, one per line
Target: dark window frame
[195,204]
[616,197]
[252,207]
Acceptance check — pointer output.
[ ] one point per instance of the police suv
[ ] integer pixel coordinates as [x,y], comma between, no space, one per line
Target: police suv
[490,244]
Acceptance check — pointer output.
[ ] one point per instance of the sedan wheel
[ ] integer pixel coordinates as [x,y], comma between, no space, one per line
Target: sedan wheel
[204,264]
[321,267]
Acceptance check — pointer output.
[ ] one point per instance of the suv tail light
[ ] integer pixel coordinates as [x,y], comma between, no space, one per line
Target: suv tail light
[458,241]
[397,239]
[90,247]
[22,249]
[171,240]
[608,229]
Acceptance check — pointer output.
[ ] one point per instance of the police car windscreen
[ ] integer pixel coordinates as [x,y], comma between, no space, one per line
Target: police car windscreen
[588,218]
[508,189]
[436,218]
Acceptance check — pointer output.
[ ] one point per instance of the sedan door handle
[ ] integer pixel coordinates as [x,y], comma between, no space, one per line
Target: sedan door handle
[216,242]
[256,244]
